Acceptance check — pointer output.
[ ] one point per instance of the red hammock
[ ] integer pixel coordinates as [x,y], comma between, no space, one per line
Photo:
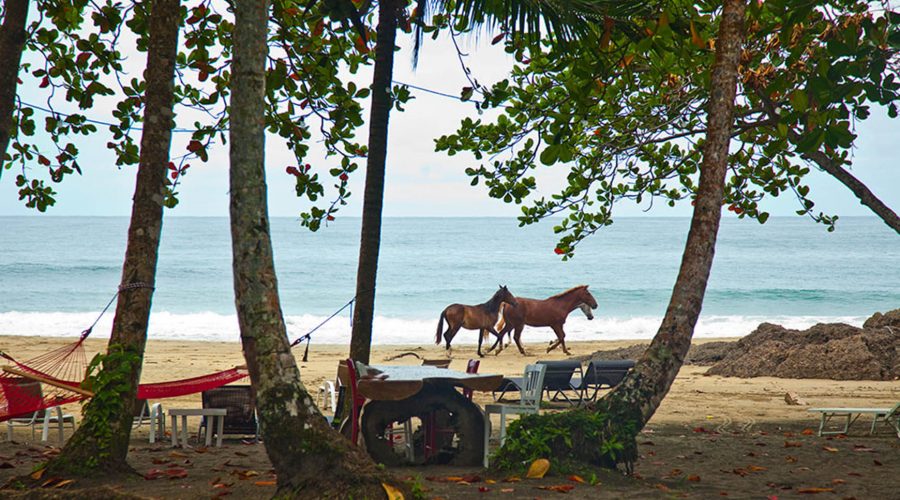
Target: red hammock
[65,366]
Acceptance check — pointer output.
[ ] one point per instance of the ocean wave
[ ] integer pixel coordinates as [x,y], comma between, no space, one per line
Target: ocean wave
[214,327]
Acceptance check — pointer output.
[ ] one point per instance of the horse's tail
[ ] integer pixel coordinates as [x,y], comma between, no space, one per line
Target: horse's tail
[501,321]
[440,327]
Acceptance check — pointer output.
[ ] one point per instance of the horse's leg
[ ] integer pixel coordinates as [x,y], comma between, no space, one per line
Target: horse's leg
[518,339]
[450,333]
[498,343]
[481,333]
[560,340]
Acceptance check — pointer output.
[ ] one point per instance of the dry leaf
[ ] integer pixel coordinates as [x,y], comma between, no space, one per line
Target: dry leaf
[662,487]
[790,459]
[829,448]
[490,481]
[538,468]
[63,483]
[392,492]
[507,490]
[808,432]
[483,489]
[756,468]
[815,490]
[264,483]
[512,479]
[559,488]
[695,478]
[38,474]
[838,481]
[576,478]
[6,465]
[792,444]
[176,473]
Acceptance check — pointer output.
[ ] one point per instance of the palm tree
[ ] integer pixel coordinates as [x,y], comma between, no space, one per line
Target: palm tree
[101,442]
[563,20]
[12,44]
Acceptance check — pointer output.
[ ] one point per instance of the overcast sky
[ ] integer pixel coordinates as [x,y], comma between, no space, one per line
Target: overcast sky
[420,182]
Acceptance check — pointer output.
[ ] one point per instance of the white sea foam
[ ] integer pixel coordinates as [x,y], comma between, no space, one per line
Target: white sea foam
[213,327]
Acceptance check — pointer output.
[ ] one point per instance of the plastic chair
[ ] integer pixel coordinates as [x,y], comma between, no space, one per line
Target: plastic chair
[153,415]
[30,390]
[529,403]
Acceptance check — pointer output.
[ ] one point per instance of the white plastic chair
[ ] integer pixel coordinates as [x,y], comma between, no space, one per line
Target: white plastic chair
[529,403]
[44,418]
[154,415]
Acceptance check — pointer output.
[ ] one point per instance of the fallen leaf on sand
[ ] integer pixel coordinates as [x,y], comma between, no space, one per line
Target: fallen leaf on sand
[483,489]
[559,488]
[512,479]
[815,490]
[807,432]
[392,492]
[176,473]
[838,481]
[6,465]
[831,449]
[264,483]
[757,468]
[538,468]
[38,474]
[792,444]
[576,478]
[876,462]
[860,447]
[507,490]
[176,454]
[693,477]
[857,474]
[63,483]
[662,487]
[490,481]
[790,459]
[245,474]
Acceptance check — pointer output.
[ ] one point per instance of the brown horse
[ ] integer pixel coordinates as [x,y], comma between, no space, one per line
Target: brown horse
[550,312]
[481,317]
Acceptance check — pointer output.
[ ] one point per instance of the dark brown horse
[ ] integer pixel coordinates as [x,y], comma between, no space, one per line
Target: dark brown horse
[482,317]
[550,312]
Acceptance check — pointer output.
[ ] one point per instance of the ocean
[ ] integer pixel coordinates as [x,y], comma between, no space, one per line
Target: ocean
[57,274]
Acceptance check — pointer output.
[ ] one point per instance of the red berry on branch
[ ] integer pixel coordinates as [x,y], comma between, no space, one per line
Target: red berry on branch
[344,177]
[558,251]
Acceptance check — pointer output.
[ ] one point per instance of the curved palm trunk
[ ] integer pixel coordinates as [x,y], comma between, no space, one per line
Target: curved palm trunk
[310,459]
[12,43]
[640,394]
[101,442]
[373,198]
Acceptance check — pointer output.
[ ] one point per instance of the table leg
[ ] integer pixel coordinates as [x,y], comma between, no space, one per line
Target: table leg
[174,431]
[184,432]
[209,426]
[221,430]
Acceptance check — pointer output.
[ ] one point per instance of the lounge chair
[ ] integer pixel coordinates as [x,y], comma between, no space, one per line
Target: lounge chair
[601,374]
[558,379]
[439,363]
[240,401]
[890,416]
[529,403]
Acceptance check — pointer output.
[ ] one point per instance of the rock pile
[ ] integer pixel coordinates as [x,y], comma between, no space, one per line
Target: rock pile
[830,351]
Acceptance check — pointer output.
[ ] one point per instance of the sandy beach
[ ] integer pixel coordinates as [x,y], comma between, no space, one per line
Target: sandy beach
[693,399]
[739,435]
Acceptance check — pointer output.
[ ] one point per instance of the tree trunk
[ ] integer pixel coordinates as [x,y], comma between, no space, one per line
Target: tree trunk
[640,394]
[101,442]
[12,43]
[310,459]
[373,198]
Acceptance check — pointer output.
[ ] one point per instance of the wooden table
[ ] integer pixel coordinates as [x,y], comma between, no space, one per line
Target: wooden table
[424,392]
[213,413]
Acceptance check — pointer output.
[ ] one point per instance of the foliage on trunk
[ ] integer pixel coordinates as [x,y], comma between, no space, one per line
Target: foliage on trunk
[373,198]
[12,43]
[631,404]
[310,459]
[101,442]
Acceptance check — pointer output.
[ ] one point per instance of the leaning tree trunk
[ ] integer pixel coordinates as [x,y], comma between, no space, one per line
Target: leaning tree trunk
[373,198]
[101,442]
[12,43]
[640,394]
[636,399]
[310,458]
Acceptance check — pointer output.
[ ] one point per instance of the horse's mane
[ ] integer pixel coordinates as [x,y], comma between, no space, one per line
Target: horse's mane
[570,290]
